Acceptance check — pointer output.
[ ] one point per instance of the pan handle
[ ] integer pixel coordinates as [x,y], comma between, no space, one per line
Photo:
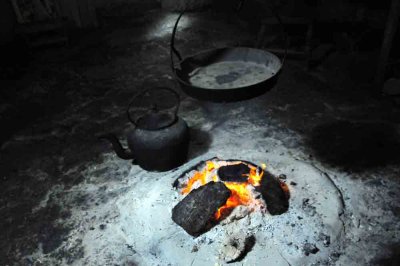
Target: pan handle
[173,50]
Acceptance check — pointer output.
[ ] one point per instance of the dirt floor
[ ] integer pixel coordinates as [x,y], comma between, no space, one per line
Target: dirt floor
[63,191]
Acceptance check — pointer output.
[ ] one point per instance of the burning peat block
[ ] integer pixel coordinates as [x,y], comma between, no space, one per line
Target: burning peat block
[273,194]
[195,212]
[234,173]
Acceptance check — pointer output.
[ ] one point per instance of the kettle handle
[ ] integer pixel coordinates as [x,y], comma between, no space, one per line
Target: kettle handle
[178,102]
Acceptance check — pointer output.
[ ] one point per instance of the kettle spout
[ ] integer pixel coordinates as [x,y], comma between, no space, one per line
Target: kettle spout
[119,150]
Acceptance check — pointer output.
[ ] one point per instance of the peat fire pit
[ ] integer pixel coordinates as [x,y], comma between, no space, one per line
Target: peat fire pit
[222,191]
[231,211]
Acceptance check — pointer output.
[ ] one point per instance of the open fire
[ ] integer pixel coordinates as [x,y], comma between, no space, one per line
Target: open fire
[216,190]
[242,193]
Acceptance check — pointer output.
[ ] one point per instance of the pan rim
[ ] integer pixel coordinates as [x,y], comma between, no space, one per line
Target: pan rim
[226,48]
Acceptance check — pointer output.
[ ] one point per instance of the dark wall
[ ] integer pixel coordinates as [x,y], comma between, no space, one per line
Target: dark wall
[7,22]
[336,10]
[104,3]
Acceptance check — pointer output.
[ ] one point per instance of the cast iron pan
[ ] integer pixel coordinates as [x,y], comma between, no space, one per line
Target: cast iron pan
[225,74]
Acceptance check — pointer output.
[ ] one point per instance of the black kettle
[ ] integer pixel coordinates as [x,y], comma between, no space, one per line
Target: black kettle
[160,139]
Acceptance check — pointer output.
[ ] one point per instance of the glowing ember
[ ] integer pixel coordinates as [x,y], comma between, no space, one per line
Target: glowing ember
[201,177]
[241,192]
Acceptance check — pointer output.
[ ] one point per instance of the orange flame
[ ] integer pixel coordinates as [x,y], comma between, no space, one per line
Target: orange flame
[240,193]
[201,177]
[254,177]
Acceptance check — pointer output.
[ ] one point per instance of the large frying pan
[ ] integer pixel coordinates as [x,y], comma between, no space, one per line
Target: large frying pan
[225,74]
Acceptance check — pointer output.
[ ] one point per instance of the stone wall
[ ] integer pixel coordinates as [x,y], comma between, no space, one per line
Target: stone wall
[338,10]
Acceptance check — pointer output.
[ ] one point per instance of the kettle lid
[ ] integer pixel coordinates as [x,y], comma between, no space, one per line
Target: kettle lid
[154,118]
[155,121]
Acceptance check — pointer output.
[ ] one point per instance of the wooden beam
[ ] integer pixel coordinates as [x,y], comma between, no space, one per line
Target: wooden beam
[390,31]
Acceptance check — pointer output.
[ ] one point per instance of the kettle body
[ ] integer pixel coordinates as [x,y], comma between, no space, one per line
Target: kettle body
[158,142]
[160,150]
